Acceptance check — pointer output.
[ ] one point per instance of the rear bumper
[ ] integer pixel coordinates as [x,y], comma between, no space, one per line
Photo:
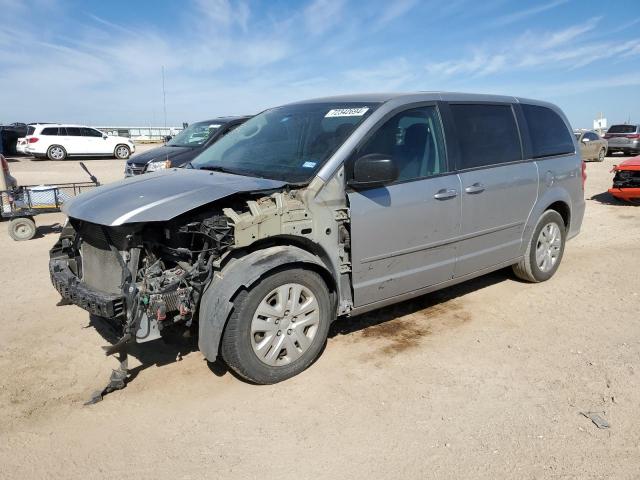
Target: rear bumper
[624,146]
[625,193]
[71,288]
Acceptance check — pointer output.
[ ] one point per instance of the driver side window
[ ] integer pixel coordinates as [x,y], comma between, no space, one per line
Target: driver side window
[591,136]
[413,140]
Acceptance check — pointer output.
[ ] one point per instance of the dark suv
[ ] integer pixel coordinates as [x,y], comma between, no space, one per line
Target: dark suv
[184,147]
[624,138]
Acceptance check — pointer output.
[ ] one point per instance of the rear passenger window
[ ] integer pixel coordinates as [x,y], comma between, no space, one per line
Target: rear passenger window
[549,134]
[50,131]
[73,131]
[487,135]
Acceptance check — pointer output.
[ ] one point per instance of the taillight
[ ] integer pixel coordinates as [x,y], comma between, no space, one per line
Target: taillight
[584,174]
[33,139]
[634,135]
[4,164]
[607,136]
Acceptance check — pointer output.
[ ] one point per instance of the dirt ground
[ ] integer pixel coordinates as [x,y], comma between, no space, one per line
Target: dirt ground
[483,380]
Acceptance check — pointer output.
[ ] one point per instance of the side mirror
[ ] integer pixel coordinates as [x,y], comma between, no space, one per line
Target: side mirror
[167,138]
[373,170]
[104,135]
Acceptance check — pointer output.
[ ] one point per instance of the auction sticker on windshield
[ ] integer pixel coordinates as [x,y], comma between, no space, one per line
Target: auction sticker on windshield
[347,112]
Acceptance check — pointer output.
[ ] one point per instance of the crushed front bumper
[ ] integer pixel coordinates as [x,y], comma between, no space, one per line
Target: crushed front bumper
[626,194]
[72,289]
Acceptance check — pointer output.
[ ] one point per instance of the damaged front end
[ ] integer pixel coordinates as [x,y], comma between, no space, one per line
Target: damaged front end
[626,182]
[147,277]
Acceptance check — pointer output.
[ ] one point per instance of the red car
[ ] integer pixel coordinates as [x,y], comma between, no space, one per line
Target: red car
[626,182]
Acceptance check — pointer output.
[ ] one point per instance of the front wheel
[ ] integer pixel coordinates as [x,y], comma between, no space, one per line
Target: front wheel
[122,152]
[278,327]
[544,252]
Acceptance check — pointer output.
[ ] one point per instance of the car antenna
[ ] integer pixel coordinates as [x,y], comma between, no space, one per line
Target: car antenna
[93,179]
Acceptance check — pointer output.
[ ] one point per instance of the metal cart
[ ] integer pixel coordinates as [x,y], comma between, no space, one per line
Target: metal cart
[21,204]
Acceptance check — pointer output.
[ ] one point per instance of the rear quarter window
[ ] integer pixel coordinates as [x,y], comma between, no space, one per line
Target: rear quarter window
[487,135]
[548,132]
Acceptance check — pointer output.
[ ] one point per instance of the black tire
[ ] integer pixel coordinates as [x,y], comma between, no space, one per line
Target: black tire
[122,152]
[21,229]
[236,345]
[52,153]
[528,268]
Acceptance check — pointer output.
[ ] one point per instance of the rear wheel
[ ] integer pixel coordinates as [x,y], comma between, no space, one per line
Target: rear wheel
[544,252]
[21,229]
[278,327]
[56,152]
[601,154]
[122,152]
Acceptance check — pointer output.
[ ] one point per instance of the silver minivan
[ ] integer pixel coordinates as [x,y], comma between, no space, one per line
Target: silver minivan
[322,209]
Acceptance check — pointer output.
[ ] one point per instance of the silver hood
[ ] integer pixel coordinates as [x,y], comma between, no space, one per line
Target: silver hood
[159,196]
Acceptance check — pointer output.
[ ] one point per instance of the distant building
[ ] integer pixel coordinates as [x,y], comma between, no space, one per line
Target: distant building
[141,134]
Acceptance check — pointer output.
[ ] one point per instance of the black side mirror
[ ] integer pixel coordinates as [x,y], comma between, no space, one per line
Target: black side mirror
[373,170]
[167,138]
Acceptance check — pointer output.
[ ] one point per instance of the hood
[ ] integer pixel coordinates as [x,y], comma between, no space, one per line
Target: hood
[159,196]
[162,153]
[632,163]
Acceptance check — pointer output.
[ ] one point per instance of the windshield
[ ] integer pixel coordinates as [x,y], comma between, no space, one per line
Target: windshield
[287,143]
[194,135]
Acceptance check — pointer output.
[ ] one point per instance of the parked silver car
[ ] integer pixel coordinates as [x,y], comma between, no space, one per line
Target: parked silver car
[623,138]
[319,209]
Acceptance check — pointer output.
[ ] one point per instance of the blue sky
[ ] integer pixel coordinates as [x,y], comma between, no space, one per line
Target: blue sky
[99,62]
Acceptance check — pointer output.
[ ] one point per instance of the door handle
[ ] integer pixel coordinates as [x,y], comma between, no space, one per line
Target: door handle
[475,188]
[444,194]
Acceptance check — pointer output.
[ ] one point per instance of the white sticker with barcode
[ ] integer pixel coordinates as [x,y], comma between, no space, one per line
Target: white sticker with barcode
[347,112]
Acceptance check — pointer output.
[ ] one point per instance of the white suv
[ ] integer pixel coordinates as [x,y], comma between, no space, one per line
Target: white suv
[58,142]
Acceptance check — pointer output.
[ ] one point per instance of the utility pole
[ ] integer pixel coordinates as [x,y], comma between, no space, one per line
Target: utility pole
[164,99]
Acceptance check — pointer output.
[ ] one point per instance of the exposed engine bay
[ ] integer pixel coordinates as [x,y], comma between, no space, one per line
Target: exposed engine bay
[153,274]
[626,179]
[146,276]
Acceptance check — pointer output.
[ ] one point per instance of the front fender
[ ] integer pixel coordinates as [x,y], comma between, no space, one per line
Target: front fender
[240,273]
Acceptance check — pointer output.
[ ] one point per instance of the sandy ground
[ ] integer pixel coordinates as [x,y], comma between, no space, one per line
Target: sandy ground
[483,380]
